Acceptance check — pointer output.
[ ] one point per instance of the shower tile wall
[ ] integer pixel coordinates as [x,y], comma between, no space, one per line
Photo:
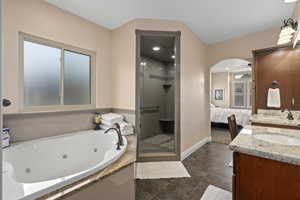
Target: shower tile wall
[157,100]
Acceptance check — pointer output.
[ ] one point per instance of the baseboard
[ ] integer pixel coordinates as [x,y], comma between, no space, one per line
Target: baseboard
[195,147]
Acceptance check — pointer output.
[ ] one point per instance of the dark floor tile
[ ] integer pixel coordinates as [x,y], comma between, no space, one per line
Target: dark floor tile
[141,194]
[207,166]
[199,190]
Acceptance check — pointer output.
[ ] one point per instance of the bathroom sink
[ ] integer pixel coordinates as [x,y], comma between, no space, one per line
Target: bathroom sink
[278,139]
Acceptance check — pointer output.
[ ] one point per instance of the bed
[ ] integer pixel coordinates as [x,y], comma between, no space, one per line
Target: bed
[219,115]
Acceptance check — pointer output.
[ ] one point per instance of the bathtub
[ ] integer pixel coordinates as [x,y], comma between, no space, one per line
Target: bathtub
[34,168]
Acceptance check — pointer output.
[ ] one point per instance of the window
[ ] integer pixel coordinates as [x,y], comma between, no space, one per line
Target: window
[249,96]
[241,93]
[55,76]
[241,84]
[242,76]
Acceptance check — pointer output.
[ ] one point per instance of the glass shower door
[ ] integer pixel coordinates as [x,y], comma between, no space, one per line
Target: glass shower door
[157,92]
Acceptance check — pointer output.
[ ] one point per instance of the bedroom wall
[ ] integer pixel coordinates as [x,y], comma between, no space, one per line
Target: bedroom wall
[220,80]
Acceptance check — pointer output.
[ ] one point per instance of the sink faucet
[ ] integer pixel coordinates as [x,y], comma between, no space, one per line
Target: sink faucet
[118,131]
[290,115]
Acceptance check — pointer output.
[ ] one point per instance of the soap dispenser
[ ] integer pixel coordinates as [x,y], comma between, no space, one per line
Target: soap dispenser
[97,121]
[5,137]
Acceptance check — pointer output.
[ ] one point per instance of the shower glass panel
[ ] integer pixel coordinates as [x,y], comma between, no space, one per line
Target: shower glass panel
[157,94]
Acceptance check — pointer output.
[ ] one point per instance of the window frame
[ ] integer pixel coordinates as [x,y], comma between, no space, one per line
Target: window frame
[244,82]
[249,91]
[27,37]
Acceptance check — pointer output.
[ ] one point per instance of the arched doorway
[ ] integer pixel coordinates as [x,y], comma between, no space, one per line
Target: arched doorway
[231,93]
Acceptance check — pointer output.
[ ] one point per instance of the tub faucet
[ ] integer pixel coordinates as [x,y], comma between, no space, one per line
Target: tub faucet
[118,131]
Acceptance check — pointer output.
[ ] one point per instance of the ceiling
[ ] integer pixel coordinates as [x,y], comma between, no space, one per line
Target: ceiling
[211,20]
[231,65]
[166,44]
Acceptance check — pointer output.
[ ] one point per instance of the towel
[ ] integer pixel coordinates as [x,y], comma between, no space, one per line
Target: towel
[111,118]
[274,98]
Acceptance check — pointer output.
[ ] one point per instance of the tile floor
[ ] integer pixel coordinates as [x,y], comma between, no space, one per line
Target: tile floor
[220,135]
[158,143]
[207,166]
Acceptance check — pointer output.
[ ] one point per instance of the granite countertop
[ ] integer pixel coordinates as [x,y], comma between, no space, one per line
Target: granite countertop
[275,119]
[246,143]
[127,158]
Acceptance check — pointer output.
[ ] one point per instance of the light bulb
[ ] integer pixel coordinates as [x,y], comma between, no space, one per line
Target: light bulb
[290,1]
[156,48]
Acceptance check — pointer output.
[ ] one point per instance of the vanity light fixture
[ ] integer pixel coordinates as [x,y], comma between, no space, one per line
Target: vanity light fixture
[173,56]
[143,63]
[290,1]
[287,31]
[156,48]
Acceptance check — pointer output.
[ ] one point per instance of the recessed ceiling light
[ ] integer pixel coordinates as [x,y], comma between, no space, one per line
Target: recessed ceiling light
[156,48]
[143,63]
[290,1]
[173,56]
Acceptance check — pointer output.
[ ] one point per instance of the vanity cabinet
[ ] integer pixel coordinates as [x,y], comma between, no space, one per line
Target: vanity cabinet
[256,178]
[281,64]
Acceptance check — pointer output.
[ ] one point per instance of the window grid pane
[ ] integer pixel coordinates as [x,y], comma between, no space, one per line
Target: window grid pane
[77,78]
[41,75]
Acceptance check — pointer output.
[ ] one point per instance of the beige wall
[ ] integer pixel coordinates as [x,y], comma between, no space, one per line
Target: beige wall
[44,20]
[123,70]
[195,117]
[220,80]
[296,16]
[242,47]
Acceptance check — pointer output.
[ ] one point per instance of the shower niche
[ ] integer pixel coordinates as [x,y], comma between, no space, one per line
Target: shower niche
[157,102]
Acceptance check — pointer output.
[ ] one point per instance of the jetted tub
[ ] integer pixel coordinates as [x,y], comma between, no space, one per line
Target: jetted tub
[34,168]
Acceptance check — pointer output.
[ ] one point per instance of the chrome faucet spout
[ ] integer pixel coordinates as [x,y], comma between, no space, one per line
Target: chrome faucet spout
[290,115]
[120,138]
[119,134]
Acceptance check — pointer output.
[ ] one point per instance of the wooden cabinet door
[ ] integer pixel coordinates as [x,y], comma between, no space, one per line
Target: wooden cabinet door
[264,179]
[273,66]
[295,76]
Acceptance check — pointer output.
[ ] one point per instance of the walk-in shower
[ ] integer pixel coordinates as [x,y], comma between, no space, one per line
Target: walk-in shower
[158,88]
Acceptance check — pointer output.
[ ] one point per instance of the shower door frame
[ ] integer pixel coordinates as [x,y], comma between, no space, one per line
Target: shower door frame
[159,156]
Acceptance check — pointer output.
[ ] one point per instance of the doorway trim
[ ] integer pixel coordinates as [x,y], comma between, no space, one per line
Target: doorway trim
[160,156]
[1,85]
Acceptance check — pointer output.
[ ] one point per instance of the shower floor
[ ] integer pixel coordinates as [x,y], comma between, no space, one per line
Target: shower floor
[158,143]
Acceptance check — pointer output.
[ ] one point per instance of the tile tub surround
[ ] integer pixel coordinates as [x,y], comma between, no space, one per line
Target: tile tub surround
[128,158]
[29,126]
[246,143]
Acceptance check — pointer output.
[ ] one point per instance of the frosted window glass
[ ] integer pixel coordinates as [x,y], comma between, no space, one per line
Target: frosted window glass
[41,75]
[77,81]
